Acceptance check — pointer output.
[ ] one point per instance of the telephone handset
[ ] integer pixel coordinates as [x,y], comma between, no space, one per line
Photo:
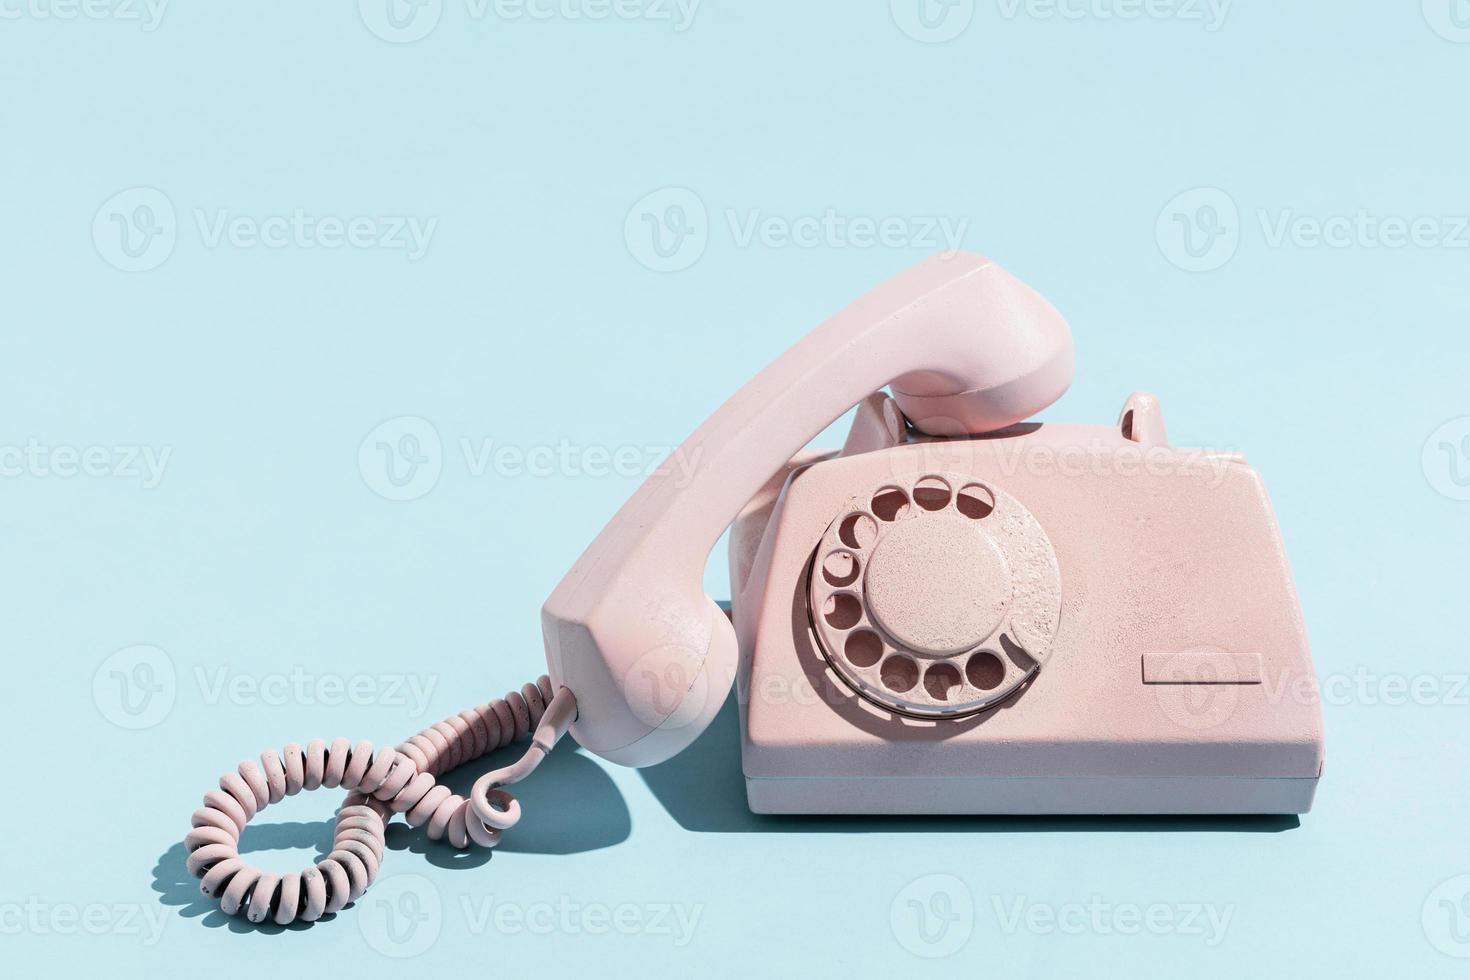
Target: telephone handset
[898,608]
[966,348]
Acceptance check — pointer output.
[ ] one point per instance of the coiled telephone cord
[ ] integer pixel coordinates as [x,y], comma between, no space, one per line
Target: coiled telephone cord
[379,782]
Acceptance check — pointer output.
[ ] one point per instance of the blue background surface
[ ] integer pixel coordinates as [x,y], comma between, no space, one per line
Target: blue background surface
[1157,176]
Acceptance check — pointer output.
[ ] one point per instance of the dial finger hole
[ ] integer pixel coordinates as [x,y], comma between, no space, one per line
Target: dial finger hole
[890,503]
[931,493]
[985,671]
[863,648]
[840,568]
[899,673]
[975,502]
[842,611]
[940,680]
[858,531]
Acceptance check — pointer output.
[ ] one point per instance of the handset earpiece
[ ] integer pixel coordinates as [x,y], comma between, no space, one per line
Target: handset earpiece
[966,349]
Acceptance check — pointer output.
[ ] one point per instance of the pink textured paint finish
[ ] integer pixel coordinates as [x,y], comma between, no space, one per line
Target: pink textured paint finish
[954,614]
[1202,667]
[939,586]
[934,597]
[1166,556]
[993,636]
[966,347]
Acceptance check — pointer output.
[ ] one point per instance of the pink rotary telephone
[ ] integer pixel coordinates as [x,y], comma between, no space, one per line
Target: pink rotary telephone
[956,613]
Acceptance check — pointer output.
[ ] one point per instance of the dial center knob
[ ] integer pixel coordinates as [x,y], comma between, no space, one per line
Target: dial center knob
[937,584]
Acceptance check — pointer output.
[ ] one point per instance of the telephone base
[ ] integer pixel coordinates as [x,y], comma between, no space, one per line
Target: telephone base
[1159,666]
[1029,796]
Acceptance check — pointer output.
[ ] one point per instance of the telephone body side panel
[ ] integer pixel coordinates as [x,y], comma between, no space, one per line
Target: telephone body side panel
[1179,678]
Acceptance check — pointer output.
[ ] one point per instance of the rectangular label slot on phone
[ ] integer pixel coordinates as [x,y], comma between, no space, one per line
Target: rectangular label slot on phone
[1202,667]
